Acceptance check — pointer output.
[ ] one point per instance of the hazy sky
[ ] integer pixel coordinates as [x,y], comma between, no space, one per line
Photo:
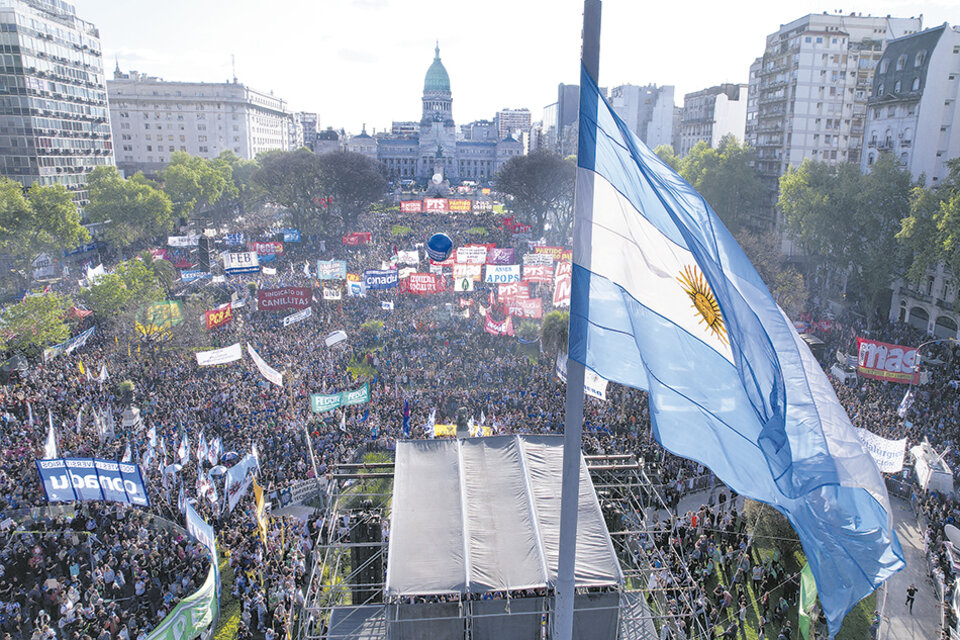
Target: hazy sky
[356,61]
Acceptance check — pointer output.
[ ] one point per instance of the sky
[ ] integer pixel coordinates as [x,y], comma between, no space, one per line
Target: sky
[357,62]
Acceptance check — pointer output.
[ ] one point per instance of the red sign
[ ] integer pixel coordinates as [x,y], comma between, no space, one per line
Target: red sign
[464,302]
[537,273]
[284,298]
[525,307]
[449,262]
[411,206]
[357,238]
[435,205]
[218,317]
[513,290]
[159,254]
[890,362]
[422,283]
[459,205]
[561,284]
[504,328]
[265,248]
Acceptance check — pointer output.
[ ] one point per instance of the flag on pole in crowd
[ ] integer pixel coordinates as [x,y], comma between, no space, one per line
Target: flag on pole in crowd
[182,500]
[29,413]
[306,268]
[432,423]
[406,418]
[906,403]
[127,454]
[387,305]
[152,436]
[104,376]
[808,597]
[483,418]
[183,452]
[343,420]
[111,423]
[79,419]
[213,454]
[202,451]
[261,519]
[80,366]
[50,448]
[163,449]
[256,454]
[663,299]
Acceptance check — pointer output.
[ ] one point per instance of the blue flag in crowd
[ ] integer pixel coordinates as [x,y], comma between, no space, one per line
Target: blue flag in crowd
[665,300]
[406,419]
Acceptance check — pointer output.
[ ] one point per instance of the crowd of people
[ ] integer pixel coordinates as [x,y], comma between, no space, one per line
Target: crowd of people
[433,354]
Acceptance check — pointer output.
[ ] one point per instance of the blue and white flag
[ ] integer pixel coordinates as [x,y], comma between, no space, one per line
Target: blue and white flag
[665,300]
[906,403]
[50,448]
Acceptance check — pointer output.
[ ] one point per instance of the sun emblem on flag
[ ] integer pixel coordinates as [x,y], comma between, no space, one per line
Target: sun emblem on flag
[704,302]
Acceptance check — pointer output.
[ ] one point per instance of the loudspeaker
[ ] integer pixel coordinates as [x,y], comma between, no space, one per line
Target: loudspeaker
[367,560]
[203,253]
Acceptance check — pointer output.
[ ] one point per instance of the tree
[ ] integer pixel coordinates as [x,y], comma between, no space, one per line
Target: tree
[555,331]
[294,181]
[137,210]
[249,196]
[42,219]
[786,284]
[668,155]
[131,285]
[165,274]
[931,231]
[354,181]
[725,177]
[35,322]
[197,185]
[847,221]
[541,184]
[770,528]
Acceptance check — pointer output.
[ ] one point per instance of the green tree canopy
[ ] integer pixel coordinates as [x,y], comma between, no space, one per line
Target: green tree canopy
[354,181]
[42,219]
[668,155]
[137,209]
[554,332]
[131,285]
[931,230]
[541,184]
[294,181]
[848,221]
[197,185]
[35,322]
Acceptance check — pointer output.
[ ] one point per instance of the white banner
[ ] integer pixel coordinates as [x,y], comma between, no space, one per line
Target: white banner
[408,257]
[238,478]
[538,259]
[183,241]
[268,372]
[331,294]
[245,262]
[463,284]
[472,271]
[386,305]
[593,385]
[472,255]
[888,454]
[303,314]
[502,273]
[219,356]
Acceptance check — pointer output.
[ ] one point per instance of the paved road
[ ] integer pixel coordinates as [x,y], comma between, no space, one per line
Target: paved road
[925,621]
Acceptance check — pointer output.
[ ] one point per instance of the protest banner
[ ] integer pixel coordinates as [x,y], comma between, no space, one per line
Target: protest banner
[538,272]
[888,454]
[218,317]
[219,356]
[411,206]
[284,298]
[79,479]
[268,372]
[422,283]
[593,384]
[246,262]
[265,248]
[501,273]
[501,255]
[561,284]
[374,279]
[888,362]
[476,254]
[293,318]
[331,269]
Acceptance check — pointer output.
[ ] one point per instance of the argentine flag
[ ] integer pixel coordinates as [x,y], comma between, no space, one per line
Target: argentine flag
[665,300]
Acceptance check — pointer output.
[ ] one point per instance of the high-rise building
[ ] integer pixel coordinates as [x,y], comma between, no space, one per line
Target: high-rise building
[647,111]
[153,118]
[54,120]
[710,114]
[912,114]
[912,111]
[295,131]
[309,122]
[512,122]
[812,87]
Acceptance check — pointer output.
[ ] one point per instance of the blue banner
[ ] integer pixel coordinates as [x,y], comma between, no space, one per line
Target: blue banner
[291,235]
[78,479]
[381,279]
[189,275]
[200,530]
[233,239]
[84,248]
[267,257]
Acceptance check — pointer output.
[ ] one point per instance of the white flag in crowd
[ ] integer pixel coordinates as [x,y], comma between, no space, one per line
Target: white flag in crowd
[50,449]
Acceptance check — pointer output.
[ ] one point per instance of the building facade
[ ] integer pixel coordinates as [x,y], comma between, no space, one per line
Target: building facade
[912,113]
[436,146]
[512,123]
[309,122]
[153,118]
[647,111]
[712,113]
[54,119]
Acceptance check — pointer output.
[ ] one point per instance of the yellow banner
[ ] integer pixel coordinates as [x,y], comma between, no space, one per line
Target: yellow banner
[445,429]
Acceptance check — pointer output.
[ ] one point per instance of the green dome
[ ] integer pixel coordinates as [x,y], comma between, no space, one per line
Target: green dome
[437,78]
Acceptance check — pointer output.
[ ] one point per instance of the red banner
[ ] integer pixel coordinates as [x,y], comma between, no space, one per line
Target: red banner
[561,284]
[537,273]
[411,206]
[218,317]
[513,290]
[284,298]
[525,307]
[435,205]
[265,248]
[464,302]
[884,361]
[422,283]
[449,262]
[504,328]
[357,238]
[459,205]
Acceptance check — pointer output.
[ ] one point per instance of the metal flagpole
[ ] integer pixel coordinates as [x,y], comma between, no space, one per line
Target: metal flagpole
[573,410]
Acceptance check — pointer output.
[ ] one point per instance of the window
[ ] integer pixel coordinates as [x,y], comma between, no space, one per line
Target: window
[920,58]
[146,125]
[149,147]
[896,87]
[901,62]
[808,39]
[915,86]
[883,65]
[819,40]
